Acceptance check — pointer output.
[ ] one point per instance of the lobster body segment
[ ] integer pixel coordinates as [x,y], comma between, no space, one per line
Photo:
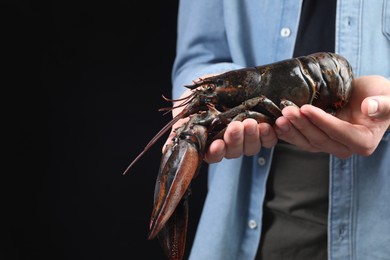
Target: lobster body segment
[321,79]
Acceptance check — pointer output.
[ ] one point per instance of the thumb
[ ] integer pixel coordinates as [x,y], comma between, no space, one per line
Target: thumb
[173,133]
[377,107]
[168,141]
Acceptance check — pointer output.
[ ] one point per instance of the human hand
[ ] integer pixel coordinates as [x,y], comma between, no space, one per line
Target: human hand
[240,138]
[357,128]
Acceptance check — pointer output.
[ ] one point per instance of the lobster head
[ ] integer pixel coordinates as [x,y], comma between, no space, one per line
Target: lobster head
[225,90]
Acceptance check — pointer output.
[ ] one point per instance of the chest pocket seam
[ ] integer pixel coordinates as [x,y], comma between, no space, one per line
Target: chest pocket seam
[386,19]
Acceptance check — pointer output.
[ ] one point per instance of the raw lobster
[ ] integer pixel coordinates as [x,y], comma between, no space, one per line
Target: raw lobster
[321,79]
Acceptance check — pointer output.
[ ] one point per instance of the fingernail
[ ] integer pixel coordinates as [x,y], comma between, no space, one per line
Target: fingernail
[372,107]
[251,130]
[164,147]
[236,135]
[284,128]
[265,132]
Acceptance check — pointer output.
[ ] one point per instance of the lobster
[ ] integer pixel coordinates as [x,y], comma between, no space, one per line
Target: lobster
[322,79]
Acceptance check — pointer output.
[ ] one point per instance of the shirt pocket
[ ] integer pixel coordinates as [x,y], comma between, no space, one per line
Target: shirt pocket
[386,19]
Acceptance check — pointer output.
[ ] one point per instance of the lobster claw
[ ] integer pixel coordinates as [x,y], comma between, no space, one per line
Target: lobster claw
[180,163]
[172,236]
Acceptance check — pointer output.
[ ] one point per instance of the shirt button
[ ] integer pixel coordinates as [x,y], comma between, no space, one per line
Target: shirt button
[285,32]
[252,224]
[261,161]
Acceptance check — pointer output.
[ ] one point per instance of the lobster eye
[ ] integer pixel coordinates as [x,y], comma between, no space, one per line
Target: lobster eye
[210,87]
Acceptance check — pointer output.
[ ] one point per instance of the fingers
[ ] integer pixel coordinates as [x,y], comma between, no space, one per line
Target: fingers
[230,147]
[294,127]
[312,129]
[267,135]
[234,139]
[289,128]
[252,143]
[216,151]
[377,107]
[362,136]
[242,138]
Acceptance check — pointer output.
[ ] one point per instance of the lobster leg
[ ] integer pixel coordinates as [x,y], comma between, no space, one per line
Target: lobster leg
[241,112]
[257,103]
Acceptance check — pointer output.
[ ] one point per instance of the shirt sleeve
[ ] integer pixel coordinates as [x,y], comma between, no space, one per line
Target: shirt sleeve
[202,47]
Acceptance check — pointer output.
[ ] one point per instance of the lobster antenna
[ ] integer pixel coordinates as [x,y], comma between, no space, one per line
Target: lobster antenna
[187,99]
[156,137]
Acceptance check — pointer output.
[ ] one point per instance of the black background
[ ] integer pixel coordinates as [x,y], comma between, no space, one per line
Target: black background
[85,86]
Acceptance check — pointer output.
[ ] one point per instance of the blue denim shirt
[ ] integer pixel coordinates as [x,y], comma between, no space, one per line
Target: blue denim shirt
[219,35]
